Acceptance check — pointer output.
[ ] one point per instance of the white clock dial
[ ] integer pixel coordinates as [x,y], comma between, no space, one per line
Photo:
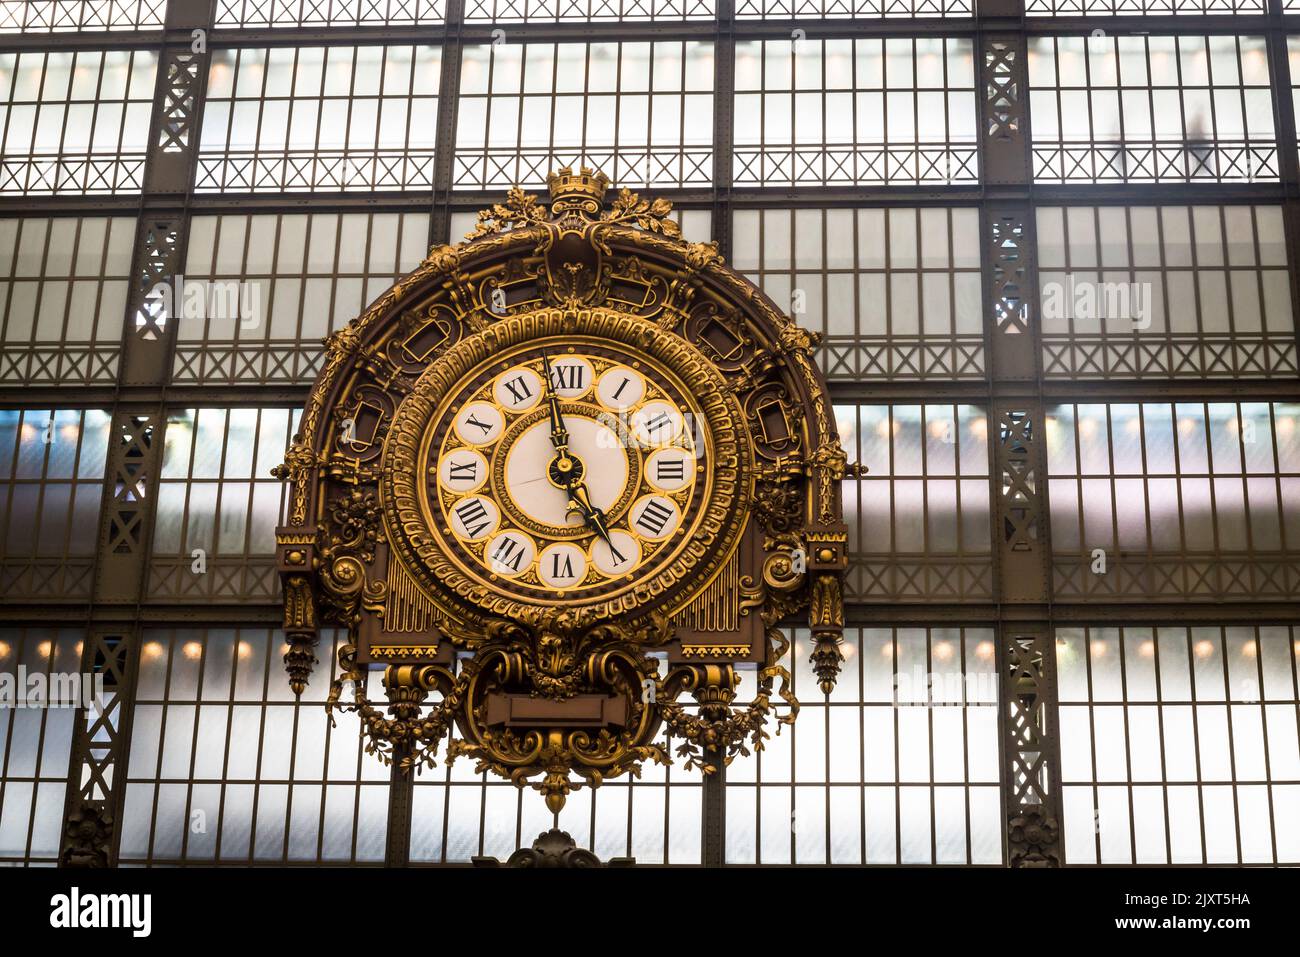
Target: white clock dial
[620,388]
[670,469]
[475,517]
[510,553]
[571,376]
[462,471]
[518,389]
[654,517]
[657,423]
[562,565]
[529,458]
[618,556]
[480,423]
[587,516]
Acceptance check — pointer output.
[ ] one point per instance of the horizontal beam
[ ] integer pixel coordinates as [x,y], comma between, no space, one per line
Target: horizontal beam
[865,392]
[481,31]
[1136,612]
[210,204]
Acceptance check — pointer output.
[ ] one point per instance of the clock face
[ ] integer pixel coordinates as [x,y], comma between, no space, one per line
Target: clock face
[568,469]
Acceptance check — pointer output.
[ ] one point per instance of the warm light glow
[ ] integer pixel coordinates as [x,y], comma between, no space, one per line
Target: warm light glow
[1203,648]
[979,427]
[80,647]
[847,650]
[152,649]
[887,650]
[984,649]
[245,649]
[1133,426]
[1147,649]
[284,649]
[1088,427]
[192,649]
[884,428]
[1185,426]
[4,649]
[1249,649]
[44,648]
[799,649]
[1286,425]
[943,650]
[1099,649]
[940,428]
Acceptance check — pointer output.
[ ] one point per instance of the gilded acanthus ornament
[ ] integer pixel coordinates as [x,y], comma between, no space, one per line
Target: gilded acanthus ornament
[520,209]
[653,216]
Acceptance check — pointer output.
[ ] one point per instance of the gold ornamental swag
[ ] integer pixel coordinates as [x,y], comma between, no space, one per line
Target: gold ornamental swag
[559,475]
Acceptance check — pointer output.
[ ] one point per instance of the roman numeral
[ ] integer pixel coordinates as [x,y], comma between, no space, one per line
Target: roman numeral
[614,553]
[518,388]
[482,425]
[559,570]
[621,386]
[654,517]
[508,553]
[569,377]
[473,517]
[655,423]
[464,471]
[670,470]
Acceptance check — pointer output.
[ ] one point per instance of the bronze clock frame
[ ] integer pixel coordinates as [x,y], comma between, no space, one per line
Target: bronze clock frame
[570,691]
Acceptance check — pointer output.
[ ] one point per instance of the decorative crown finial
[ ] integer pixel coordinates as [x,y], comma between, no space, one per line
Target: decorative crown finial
[586,184]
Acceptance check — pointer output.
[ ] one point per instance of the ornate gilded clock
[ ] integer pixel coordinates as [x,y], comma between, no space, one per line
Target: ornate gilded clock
[554,479]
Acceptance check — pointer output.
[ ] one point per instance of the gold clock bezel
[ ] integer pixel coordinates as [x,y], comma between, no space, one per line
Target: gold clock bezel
[696,554]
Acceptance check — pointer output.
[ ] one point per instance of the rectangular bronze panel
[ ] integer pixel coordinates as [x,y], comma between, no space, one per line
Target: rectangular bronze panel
[588,710]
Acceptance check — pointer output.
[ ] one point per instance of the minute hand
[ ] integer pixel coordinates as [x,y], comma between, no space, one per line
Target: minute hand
[559,434]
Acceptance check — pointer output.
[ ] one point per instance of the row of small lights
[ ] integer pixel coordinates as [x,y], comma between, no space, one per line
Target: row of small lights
[1147,649]
[152,649]
[941,650]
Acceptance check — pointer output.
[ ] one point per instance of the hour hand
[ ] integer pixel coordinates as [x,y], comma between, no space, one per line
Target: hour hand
[580,501]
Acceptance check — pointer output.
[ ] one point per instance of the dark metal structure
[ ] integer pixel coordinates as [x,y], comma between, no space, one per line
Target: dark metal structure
[906,165]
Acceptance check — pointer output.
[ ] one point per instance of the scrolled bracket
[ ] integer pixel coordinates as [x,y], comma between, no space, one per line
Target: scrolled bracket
[295,558]
[720,726]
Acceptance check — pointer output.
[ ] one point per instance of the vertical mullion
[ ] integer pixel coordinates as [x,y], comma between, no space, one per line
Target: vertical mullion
[1232,748]
[1160,728]
[1122,651]
[1258,639]
[169,647]
[898,790]
[267,660]
[40,747]
[1092,742]
[194,742]
[1196,737]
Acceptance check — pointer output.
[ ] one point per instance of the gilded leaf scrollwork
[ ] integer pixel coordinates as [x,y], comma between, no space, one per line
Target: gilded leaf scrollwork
[519,210]
[650,215]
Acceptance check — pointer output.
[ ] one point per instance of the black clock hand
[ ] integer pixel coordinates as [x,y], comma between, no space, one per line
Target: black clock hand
[594,518]
[568,468]
[559,434]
